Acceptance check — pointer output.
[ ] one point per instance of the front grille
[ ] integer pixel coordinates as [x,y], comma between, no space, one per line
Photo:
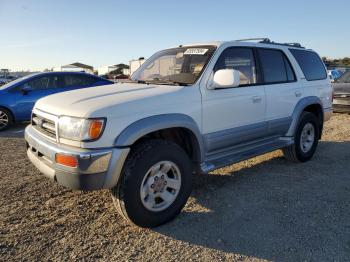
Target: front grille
[44,125]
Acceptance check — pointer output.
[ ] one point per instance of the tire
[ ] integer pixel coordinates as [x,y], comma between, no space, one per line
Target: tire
[299,151]
[144,205]
[6,119]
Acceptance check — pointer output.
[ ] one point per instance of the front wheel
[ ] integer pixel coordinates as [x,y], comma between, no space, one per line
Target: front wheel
[305,140]
[5,119]
[155,183]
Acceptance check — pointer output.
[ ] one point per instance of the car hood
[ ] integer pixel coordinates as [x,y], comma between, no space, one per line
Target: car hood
[109,100]
[341,88]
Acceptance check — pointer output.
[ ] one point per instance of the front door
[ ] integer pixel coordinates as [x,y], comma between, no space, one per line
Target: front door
[29,92]
[232,116]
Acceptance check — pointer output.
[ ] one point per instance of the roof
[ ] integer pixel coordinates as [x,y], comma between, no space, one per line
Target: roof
[259,42]
[77,64]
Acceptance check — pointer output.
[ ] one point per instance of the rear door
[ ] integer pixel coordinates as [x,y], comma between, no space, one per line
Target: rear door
[75,81]
[282,89]
[315,80]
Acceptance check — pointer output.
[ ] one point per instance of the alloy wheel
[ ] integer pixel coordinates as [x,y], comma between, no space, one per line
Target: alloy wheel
[160,186]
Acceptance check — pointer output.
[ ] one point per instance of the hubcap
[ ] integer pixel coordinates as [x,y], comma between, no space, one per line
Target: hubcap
[4,119]
[307,137]
[160,186]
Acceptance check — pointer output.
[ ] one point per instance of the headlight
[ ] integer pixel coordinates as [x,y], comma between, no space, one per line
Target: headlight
[80,129]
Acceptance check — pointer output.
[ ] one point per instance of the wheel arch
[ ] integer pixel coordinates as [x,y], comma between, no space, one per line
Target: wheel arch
[312,104]
[165,125]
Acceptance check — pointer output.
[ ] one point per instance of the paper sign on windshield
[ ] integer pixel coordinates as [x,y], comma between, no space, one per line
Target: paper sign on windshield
[195,51]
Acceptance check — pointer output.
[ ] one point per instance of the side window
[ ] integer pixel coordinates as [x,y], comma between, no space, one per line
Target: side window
[56,81]
[38,83]
[92,80]
[78,80]
[310,63]
[275,66]
[290,73]
[241,59]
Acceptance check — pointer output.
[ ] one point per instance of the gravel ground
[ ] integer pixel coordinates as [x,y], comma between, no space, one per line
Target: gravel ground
[265,208]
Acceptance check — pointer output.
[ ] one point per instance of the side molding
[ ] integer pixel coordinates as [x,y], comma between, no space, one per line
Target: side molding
[153,123]
[299,108]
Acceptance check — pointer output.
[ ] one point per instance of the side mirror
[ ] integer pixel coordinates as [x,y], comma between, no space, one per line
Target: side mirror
[226,78]
[25,89]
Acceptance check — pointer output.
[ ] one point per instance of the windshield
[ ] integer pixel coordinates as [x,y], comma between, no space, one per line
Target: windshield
[177,66]
[345,78]
[14,82]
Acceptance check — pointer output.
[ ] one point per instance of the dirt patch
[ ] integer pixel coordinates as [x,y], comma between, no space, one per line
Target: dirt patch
[265,208]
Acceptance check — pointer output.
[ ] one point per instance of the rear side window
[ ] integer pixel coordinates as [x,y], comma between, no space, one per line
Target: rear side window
[275,66]
[310,63]
[56,81]
[78,80]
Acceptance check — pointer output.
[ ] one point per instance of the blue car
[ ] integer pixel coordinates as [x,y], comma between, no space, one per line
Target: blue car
[18,97]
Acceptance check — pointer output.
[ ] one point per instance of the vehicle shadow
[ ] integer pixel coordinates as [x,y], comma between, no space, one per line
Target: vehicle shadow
[16,130]
[275,210]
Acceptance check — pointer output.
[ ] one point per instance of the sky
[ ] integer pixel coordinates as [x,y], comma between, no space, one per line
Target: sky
[39,34]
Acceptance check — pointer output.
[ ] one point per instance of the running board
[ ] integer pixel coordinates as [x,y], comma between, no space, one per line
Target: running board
[238,155]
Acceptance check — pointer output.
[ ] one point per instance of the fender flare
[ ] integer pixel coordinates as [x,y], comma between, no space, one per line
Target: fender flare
[299,108]
[151,124]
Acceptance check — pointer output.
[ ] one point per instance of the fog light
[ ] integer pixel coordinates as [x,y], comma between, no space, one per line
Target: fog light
[66,160]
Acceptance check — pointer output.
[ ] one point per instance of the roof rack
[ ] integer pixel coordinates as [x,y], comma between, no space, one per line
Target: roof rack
[265,40]
[261,39]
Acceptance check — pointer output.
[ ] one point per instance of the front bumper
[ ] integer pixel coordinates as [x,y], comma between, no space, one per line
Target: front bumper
[341,105]
[97,168]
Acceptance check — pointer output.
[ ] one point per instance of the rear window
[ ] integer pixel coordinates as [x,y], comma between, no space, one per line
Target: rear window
[310,63]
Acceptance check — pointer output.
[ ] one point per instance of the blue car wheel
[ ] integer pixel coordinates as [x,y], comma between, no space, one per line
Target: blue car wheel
[5,119]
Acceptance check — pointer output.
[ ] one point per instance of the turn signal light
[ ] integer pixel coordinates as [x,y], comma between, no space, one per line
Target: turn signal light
[66,160]
[95,129]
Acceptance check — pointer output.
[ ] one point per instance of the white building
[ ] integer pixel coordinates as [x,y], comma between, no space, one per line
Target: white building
[103,70]
[135,64]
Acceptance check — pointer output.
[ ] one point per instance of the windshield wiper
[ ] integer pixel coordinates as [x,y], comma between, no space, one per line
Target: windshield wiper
[160,82]
[138,81]
[168,81]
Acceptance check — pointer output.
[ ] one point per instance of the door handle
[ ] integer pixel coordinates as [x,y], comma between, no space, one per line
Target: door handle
[297,93]
[256,99]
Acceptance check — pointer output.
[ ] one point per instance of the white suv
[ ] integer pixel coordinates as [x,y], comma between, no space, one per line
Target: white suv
[191,108]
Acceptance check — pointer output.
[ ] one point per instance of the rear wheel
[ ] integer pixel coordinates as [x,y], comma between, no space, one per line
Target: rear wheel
[155,184]
[305,140]
[5,119]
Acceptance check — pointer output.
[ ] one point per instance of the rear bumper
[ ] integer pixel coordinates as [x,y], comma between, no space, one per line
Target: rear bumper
[97,168]
[341,108]
[341,105]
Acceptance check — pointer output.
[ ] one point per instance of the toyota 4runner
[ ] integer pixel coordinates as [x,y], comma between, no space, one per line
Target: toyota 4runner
[192,108]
